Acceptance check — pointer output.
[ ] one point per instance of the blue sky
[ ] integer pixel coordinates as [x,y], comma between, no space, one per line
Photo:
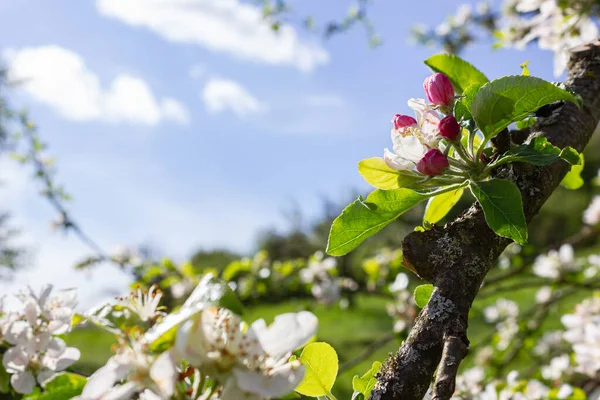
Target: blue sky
[186,126]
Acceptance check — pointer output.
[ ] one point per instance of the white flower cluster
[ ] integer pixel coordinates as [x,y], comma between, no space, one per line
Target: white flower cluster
[504,313]
[36,353]
[404,309]
[555,263]
[470,386]
[583,332]
[556,27]
[326,288]
[235,360]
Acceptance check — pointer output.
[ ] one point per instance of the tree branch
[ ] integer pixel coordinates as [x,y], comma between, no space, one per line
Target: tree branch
[457,257]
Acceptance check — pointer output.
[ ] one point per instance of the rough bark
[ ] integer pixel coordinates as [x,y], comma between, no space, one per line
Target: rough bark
[457,257]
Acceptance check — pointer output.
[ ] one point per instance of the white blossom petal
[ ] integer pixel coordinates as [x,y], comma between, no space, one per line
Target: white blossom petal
[287,333]
[275,385]
[164,373]
[23,382]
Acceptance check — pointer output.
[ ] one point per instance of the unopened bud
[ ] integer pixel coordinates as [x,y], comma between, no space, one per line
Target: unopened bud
[439,90]
[433,163]
[449,128]
[403,121]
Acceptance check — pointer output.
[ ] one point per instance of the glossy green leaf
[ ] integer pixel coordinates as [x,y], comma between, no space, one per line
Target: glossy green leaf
[461,73]
[321,362]
[503,208]
[366,383]
[440,205]
[462,107]
[573,179]
[512,98]
[538,152]
[377,173]
[362,219]
[423,294]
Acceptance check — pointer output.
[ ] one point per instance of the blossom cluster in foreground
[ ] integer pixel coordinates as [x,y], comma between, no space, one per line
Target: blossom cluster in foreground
[35,351]
[202,350]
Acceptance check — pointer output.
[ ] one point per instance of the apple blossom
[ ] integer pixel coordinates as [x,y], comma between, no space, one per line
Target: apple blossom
[247,360]
[141,371]
[583,332]
[144,303]
[503,309]
[411,142]
[433,163]
[554,263]
[36,354]
[439,90]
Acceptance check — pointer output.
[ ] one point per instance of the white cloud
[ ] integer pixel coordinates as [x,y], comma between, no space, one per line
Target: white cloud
[228,26]
[60,79]
[325,100]
[221,95]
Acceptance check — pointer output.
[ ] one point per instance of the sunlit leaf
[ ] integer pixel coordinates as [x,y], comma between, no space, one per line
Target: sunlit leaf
[321,363]
[423,294]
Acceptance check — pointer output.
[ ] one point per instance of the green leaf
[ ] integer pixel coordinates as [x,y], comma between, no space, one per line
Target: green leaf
[63,386]
[377,173]
[363,219]
[538,152]
[503,208]
[366,383]
[462,108]
[440,205]
[461,73]
[321,363]
[573,179]
[512,98]
[423,294]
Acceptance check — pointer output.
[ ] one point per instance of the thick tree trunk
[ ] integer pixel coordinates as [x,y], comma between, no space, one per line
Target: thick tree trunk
[457,257]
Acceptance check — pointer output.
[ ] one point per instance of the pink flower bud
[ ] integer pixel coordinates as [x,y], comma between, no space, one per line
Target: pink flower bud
[439,90]
[433,163]
[403,121]
[449,128]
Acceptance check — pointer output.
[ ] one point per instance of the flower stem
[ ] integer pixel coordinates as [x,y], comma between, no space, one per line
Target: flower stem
[462,152]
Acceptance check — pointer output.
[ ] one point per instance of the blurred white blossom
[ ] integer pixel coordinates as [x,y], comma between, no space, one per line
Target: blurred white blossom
[554,263]
[591,215]
[583,332]
[35,354]
[503,309]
